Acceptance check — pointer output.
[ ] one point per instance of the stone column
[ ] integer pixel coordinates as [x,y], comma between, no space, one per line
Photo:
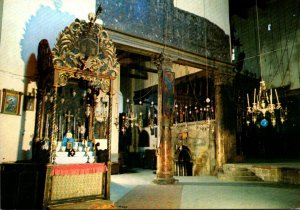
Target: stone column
[166,79]
[225,118]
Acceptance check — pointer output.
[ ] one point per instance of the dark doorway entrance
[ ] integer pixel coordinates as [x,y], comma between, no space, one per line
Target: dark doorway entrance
[184,164]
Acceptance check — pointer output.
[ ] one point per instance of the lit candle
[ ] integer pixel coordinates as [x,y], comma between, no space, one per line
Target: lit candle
[276,96]
[248,100]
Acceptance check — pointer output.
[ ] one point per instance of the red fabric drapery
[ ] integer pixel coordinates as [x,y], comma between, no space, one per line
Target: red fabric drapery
[76,169]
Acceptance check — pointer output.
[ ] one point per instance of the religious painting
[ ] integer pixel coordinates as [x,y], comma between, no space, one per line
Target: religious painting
[168,92]
[11,102]
[28,102]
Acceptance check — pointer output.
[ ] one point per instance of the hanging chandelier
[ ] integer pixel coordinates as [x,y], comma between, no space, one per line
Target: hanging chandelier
[130,118]
[263,109]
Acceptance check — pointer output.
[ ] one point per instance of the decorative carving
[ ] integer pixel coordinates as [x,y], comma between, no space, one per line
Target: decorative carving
[105,85]
[163,62]
[85,47]
[63,79]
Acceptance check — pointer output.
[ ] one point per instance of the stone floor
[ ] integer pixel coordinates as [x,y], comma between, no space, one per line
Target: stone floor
[208,192]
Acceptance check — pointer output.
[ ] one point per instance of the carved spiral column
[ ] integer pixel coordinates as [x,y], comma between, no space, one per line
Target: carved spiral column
[225,119]
[53,127]
[166,78]
[109,139]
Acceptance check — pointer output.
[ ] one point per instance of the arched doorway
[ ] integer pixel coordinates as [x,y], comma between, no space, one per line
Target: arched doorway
[184,164]
[144,139]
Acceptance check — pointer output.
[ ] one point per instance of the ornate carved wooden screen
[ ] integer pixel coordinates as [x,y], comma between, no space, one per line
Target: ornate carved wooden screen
[75,92]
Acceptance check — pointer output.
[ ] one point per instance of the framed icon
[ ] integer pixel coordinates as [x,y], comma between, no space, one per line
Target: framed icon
[11,101]
[28,102]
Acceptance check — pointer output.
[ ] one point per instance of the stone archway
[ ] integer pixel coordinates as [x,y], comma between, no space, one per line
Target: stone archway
[144,139]
[183,162]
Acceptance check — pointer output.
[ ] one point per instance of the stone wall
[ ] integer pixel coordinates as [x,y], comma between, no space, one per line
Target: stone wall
[278,24]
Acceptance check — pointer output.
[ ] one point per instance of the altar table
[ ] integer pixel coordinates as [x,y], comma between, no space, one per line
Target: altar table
[74,182]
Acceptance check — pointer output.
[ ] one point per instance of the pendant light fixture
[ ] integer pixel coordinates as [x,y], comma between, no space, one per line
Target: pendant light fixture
[263,109]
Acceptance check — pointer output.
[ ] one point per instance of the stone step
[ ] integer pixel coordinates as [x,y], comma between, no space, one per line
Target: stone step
[233,172]
[239,173]
[225,177]
[233,167]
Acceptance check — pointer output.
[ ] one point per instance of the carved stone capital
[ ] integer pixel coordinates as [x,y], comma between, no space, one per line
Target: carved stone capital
[164,62]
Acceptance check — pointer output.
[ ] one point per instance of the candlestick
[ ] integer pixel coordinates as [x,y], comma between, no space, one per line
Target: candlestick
[248,102]
[59,125]
[271,97]
[47,127]
[74,123]
[276,96]
[78,135]
[62,131]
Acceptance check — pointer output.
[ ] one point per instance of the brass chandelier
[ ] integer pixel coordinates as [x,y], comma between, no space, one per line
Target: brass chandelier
[263,108]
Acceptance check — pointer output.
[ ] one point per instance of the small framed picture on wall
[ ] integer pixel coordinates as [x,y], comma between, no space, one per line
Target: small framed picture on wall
[11,102]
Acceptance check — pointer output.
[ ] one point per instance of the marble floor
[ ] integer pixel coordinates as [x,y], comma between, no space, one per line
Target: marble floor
[208,192]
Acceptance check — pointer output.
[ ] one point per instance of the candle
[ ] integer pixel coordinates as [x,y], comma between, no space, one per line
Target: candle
[74,122]
[47,127]
[276,96]
[271,98]
[254,95]
[248,102]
